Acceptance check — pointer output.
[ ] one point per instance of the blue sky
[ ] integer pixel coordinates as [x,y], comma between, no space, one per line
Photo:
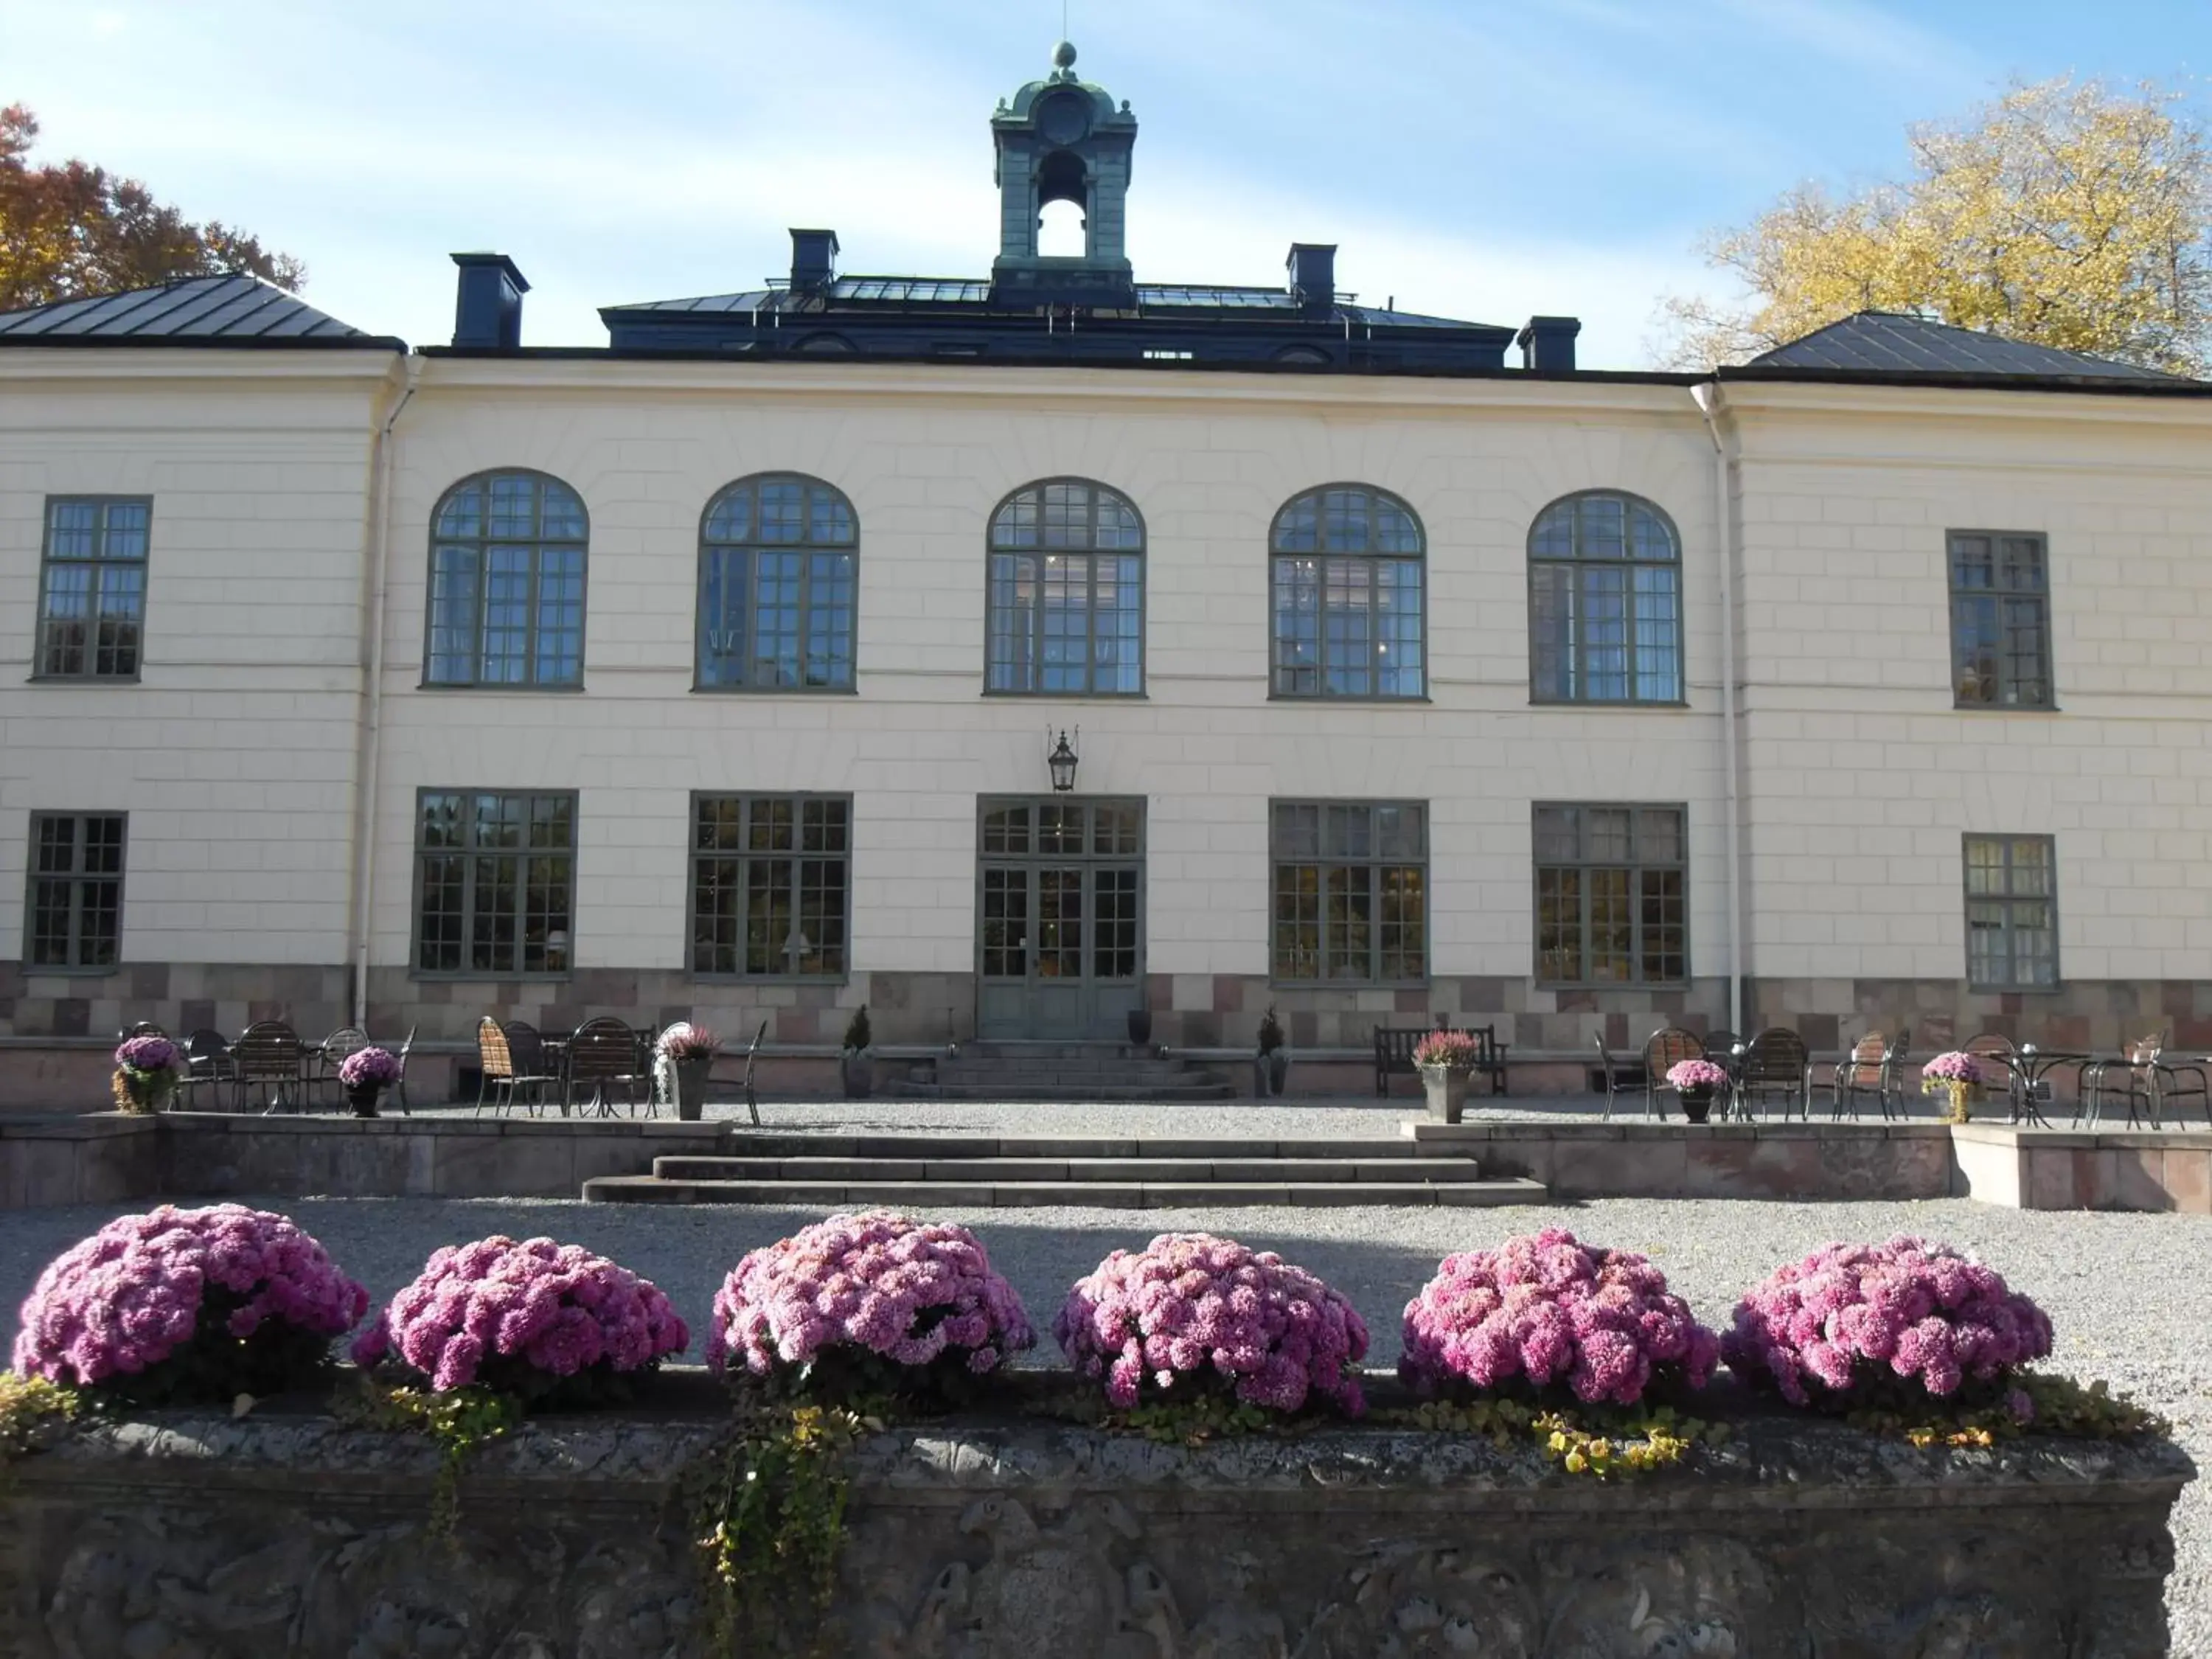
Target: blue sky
[1475,160]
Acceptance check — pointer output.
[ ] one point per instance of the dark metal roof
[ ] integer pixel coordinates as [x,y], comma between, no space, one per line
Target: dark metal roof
[1891,342]
[926,291]
[209,311]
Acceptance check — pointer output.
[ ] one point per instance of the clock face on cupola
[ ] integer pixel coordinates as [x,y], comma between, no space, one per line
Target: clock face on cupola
[1062,139]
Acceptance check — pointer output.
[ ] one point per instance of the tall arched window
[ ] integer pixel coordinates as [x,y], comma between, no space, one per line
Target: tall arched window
[1605,602]
[507,583]
[1066,592]
[1348,595]
[778,557]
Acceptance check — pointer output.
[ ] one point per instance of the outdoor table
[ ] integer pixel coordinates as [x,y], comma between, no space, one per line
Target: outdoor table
[2031,1065]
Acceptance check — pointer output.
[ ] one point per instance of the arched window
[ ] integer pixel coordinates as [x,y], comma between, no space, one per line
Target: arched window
[1347,595]
[507,583]
[1066,592]
[1605,602]
[777,577]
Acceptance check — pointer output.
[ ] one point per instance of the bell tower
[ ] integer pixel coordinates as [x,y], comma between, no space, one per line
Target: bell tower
[1062,139]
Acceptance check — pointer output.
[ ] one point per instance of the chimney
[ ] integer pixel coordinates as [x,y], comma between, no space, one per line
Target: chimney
[487,309]
[1547,344]
[1312,266]
[813,260]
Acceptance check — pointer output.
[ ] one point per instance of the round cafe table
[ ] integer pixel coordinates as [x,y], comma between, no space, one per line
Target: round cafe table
[2032,1066]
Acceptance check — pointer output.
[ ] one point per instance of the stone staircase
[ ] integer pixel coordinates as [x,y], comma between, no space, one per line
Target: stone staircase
[921,1171]
[1106,1072]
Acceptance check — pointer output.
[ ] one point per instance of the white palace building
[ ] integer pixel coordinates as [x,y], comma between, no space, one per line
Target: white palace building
[1406,669]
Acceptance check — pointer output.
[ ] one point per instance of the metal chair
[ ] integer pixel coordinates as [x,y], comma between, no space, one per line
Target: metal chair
[208,1065]
[269,1051]
[1725,1050]
[534,1071]
[1775,1060]
[1875,1067]
[497,1075]
[323,1062]
[604,1051]
[1993,1060]
[399,1081]
[143,1027]
[2148,1079]
[1605,1074]
[1664,1048]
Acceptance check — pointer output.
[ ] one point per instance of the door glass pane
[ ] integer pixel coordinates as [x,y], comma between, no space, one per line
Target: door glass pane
[1005,924]
[1114,832]
[1006,829]
[1059,827]
[1114,924]
[1060,924]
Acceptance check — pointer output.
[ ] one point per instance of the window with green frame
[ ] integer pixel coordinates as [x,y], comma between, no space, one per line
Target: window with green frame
[494,882]
[771,885]
[2012,913]
[1351,892]
[1612,895]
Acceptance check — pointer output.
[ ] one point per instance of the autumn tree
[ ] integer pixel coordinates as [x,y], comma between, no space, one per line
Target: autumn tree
[71,229]
[2065,215]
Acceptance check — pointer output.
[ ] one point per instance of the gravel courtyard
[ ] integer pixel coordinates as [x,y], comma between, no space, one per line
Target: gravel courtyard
[2118,1287]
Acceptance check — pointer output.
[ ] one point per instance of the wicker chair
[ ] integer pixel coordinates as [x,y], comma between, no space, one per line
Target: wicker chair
[1775,1061]
[1665,1047]
[602,1052]
[268,1052]
[1875,1066]
[2145,1079]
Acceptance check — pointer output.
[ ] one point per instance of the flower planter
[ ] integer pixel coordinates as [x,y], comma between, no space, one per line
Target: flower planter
[143,1091]
[1446,1087]
[1279,1070]
[860,1075]
[990,1535]
[691,1087]
[1697,1104]
[1141,1026]
[361,1096]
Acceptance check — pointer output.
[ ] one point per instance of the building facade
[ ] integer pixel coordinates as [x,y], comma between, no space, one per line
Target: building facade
[717,673]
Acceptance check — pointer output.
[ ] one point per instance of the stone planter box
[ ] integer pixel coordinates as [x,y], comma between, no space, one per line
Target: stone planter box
[291,1535]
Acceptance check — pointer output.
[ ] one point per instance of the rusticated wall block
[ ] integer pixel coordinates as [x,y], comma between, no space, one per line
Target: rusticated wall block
[292,1537]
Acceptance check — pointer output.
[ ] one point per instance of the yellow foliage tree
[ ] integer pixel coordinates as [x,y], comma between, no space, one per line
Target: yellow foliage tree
[2064,214]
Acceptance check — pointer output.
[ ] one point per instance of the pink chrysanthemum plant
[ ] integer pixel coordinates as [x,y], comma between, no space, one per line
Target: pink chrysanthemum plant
[1685,1075]
[370,1067]
[1955,1076]
[1881,1326]
[1455,1051]
[1545,1317]
[858,1307]
[199,1305]
[147,1070]
[1191,1315]
[549,1324]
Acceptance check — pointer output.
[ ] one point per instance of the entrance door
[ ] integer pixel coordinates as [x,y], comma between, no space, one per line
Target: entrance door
[1059,917]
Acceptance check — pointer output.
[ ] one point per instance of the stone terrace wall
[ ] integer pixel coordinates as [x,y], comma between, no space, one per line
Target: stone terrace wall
[295,1538]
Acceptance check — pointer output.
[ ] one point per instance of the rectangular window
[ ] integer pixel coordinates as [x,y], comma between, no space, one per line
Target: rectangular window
[92,588]
[2000,621]
[73,913]
[1612,895]
[1351,891]
[771,885]
[494,882]
[2012,913]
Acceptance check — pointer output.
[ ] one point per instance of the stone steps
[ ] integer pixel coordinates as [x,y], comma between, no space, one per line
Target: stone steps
[920,1170]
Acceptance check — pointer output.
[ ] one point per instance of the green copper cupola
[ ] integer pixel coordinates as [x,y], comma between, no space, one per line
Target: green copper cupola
[1062,139]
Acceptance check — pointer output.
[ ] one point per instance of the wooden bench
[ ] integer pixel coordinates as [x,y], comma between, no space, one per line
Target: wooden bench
[1394,1046]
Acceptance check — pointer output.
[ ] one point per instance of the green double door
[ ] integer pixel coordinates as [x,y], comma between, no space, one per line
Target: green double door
[1060,916]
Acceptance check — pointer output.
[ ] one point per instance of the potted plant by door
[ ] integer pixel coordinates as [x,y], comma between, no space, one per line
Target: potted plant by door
[1273,1062]
[364,1074]
[682,1055]
[1446,1061]
[860,1072]
[1695,1081]
[1141,1026]
[146,1072]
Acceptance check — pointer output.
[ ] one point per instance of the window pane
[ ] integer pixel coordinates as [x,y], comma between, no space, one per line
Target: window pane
[2000,622]
[772,613]
[1605,607]
[1072,621]
[1612,926]
[1351,624]
[506,584]
[756,908]
[1559,925]
[93,588]
[1612,895]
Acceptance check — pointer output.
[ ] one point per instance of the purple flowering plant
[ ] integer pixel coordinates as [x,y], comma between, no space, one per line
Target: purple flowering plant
[685,1041]
[149,1054]
[1544,1314]
[1191,1315]
[551,1324]
[372,1065]
[1455,1051]
[188,1305]
[1873,1325]
[1696,1074]
[1953,1068]
[858,1306]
